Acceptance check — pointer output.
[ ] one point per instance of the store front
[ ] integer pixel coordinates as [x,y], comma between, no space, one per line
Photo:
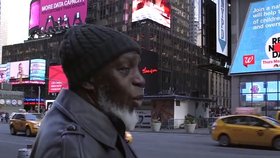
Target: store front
[259,91]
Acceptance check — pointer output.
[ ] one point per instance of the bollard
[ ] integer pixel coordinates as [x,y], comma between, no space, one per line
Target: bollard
[24,152]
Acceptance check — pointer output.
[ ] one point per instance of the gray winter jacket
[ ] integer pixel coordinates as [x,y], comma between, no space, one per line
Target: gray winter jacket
[73,128]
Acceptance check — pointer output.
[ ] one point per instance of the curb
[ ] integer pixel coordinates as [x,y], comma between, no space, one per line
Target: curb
[148,130]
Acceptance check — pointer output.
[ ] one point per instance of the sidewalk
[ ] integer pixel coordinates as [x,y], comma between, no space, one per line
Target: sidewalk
[181,131]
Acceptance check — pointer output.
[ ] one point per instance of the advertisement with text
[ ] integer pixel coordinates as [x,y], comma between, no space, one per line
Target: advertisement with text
[57,15]
[259,46]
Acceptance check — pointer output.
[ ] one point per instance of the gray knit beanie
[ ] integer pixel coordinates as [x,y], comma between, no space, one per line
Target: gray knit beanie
[85,49]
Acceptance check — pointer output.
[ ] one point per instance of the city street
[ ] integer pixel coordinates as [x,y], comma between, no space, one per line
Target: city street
[156,145]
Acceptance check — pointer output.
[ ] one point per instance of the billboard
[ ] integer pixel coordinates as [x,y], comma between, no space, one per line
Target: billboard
[56,15]
[3,70]
[259,44]
[157,10]
[34,14]
[222,27]
[38,69]
[24,72]
[57,79]
[19,69]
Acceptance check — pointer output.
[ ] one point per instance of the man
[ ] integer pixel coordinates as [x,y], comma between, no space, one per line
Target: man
[105,87]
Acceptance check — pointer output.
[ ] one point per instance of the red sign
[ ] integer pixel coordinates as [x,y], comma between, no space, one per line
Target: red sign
[277,47]
[57,79]
[248,60]
[145,70]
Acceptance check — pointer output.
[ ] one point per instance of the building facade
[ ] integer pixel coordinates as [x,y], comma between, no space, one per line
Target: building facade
[14,26]
[255,75]
[218,65]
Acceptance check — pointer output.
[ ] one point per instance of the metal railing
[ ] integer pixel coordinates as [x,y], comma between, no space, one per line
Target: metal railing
[179,123]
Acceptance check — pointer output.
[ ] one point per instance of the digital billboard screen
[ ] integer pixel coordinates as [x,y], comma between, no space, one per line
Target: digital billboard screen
[19,69]
[157,10]
[258,48]
[57,79]
[34,14]
[38,69]
[3,68]
[57,15]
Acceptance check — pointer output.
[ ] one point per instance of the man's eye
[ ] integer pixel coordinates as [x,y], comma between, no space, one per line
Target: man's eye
[124,70]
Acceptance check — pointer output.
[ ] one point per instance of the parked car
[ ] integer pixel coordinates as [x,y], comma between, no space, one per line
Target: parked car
[28,123]
[247,130]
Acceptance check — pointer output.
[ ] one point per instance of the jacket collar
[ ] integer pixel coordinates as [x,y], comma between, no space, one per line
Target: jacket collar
[93,121]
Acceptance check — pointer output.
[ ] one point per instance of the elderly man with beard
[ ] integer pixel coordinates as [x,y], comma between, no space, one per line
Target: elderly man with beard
[105,87]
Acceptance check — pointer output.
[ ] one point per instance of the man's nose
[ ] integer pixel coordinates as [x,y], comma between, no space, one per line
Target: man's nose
[139,80]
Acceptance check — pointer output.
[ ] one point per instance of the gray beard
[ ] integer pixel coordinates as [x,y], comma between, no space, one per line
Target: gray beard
[130,119]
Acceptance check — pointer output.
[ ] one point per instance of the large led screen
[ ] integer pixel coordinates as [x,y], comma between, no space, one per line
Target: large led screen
[156,10]
[19,69]
[3,73]
[57,79]
[38,69]
[34,14]
[259,45]
[57,15]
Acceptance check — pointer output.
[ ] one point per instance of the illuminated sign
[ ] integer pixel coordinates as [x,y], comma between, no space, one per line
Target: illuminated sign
[34,14]
[222,27]
[24,72]
[158,11]
[57,79]
[19,69]
[38,69]
[145,70]
[3,69]
[259,44]
[34,101]
[56,15]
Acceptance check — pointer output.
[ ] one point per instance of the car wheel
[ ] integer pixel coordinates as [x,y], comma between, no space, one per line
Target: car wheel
[224,140]
[276,143]
[28,132]
[13,131]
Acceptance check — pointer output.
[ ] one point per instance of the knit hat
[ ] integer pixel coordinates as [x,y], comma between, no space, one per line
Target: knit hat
[85,49]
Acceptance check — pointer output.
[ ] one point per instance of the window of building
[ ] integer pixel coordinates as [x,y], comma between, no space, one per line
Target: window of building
[263,94]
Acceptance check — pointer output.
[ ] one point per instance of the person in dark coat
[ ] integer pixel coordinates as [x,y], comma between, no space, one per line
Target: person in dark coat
[89,120]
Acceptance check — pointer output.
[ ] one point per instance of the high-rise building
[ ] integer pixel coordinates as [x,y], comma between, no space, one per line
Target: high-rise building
[14,25]
[219,82]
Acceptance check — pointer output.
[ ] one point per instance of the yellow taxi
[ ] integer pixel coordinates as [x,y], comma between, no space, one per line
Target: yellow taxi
[247,130]
[277,117]
[28,123]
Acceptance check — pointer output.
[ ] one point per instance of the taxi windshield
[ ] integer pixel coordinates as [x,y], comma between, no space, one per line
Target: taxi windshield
[33,117]
[272,120]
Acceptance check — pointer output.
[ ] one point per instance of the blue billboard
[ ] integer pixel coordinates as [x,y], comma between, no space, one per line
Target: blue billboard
[38,69]
[259,44]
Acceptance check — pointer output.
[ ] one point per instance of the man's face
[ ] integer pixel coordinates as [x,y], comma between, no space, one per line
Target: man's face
[121,85]
[122,81]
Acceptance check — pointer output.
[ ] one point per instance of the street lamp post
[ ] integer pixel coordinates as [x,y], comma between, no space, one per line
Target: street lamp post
[39,98]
